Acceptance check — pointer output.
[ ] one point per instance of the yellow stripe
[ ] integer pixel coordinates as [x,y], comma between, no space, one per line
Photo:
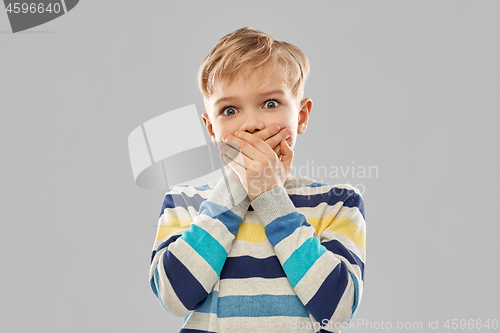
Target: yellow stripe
[173,224]
[343,226]
[253,233]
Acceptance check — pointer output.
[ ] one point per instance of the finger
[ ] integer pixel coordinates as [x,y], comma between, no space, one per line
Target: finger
[232,151]
[267,132]
[251,146]
[272,135]
[277,150]
[227,170]
[229,148]
[287,155]
[284,134]
[236,167]
[237,156]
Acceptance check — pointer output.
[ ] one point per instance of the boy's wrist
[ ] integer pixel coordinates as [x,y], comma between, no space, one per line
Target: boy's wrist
[272,205]
[230,193]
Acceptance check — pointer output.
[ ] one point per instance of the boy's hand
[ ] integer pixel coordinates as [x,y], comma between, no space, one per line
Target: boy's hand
[273,138]
[270,135]
[258,167]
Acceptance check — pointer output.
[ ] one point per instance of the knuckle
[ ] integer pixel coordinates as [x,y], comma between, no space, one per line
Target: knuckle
[254,140]
[243,144]
[262,160]
[259,134]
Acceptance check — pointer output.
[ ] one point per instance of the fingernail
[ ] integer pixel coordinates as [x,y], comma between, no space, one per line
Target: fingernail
[224,137]
[276,128]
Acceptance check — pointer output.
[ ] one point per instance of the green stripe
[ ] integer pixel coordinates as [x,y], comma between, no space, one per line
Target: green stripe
[206,246]
[299,262]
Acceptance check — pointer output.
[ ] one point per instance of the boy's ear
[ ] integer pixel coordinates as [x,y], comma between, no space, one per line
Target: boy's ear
[304,113]
[208,125]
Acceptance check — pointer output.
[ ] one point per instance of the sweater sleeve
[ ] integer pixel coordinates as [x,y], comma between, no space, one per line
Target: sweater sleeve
[324,263]
[189,253]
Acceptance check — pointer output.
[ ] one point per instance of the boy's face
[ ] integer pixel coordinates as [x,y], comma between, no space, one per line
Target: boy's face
[242,106]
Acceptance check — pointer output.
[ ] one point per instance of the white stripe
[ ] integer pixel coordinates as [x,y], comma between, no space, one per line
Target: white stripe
[312,280]
[266,324]
[256,250]
[329,235]
[216,229]
[185,216]
[323,208]
[354,215]
[159,241]
[190,191]
[343,311]
[287,246]
[255,286]
[202,321]
[305,190]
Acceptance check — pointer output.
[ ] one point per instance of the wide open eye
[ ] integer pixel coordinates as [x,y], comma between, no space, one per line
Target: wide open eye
[231,110]
[271,104]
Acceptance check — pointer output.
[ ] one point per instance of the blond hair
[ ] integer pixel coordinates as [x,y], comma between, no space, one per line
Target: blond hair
[243,51]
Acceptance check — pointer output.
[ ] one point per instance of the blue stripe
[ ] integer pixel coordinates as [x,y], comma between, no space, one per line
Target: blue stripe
[211,303]
[356,295]
[248,267]
[189,330]
[223,214]
[284,226]
[206,246]
[332,197]
[163,245]
[254,306]
[316,184]
[324,303]
[155,287]
[302,259]
[355,200]
[337,247]
[198,188]
[189,291]
[173,200]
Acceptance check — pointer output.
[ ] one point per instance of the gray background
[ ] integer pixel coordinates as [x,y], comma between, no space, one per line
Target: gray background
[410,87]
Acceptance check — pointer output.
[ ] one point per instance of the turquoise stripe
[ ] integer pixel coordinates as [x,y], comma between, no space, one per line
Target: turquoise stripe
[356,295]
[156,287]
[206,246]
[254,306]
[299,262]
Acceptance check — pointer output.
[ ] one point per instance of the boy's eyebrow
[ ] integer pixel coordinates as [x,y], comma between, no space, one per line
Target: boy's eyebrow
[279,91]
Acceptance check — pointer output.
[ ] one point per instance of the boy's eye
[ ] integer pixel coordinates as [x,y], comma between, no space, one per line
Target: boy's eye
[271,104]
[231,110]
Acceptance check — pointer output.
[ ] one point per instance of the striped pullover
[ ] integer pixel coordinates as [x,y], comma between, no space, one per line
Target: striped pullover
[292,260]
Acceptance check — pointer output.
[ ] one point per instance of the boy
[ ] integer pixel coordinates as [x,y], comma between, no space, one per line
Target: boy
[259,250]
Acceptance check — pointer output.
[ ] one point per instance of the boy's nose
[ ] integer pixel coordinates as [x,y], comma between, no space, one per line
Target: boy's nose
[252,125]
